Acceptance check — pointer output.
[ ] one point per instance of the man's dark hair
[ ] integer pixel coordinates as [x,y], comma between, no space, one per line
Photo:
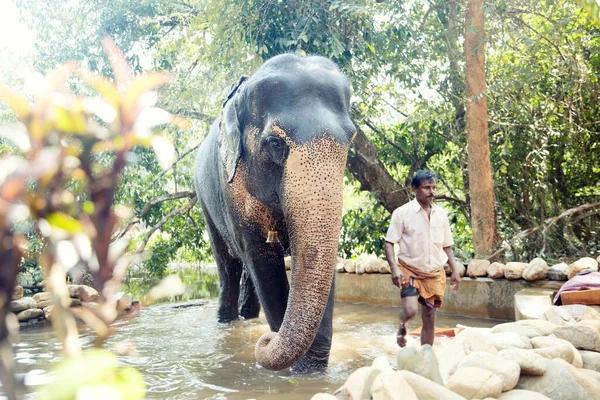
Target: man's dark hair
[423,175]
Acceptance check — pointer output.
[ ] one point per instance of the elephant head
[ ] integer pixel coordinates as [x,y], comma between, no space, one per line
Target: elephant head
[284,138]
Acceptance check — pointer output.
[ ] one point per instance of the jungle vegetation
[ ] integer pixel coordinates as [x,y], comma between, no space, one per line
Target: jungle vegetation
[406,61]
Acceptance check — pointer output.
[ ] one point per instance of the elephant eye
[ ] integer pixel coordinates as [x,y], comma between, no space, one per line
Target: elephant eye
[276,148]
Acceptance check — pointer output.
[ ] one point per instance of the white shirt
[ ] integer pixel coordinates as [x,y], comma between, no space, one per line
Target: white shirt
[421,241]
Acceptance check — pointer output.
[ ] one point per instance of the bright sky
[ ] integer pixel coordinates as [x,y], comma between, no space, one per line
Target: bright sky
[14,36]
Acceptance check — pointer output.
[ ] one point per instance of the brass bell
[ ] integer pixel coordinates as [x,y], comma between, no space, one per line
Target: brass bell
[272,237]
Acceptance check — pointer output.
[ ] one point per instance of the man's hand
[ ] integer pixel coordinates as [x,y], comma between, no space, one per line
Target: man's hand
[397,277]
[455,280]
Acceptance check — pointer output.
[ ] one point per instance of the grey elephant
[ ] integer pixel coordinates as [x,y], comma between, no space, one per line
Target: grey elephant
[274,162]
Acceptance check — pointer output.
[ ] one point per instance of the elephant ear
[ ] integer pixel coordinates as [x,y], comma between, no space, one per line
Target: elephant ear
[230,133]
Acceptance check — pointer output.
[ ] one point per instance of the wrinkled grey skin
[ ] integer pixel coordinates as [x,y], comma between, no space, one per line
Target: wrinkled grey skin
[275,161]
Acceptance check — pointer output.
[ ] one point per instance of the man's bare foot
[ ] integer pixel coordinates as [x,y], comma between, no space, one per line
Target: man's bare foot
[401,336]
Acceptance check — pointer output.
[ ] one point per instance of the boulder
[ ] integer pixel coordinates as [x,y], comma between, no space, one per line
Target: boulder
[509,340]
[559,272]
[358,384]
[591,360]
[362,261]
[535,270]
[17,293]
[339,267]
[514,270]
[350,266]
[507,370]
[45,303]
[381,363]
[48,312]
[544,328]
[83,292]
[423,363]
[589,313]
[516,328]
[583,264]
[30,313]
[520,394]
[553,347]
[569,314]
[581,336]
[42,296]
[477,268]
[372,265]
[384,267]
[391,385]
[24,303]
[426,389]
[556,383]
[466,342]
[323,396]
[124,301]
[530,362]
[589,383]
[475,383]
[496,270]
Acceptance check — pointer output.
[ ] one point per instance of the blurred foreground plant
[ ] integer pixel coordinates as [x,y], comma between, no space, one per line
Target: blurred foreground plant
[72,152]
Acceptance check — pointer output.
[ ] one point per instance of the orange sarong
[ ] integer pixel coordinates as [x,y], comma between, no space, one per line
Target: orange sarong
[431,285]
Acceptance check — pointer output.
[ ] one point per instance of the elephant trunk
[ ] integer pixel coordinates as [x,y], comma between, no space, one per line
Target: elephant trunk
[312,203]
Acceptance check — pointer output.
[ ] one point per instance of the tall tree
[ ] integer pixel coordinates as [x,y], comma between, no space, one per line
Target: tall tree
[481,186]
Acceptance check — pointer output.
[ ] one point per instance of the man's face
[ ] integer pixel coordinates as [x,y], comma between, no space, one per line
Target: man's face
[425,192]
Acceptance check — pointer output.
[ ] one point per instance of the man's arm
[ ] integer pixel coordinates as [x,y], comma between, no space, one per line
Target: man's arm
[455,277]
[397,277]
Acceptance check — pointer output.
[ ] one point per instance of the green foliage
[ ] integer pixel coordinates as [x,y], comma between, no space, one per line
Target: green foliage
[95,374]
[363,231]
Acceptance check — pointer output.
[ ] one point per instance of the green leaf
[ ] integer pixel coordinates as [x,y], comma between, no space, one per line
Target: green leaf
[64,222]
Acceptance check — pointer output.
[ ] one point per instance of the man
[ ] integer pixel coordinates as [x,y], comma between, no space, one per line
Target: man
[422,231]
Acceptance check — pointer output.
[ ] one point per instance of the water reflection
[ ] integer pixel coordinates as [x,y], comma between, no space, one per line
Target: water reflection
[184,353]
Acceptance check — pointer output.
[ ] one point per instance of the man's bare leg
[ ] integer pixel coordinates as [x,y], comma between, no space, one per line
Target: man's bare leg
[428,330]
[408,312]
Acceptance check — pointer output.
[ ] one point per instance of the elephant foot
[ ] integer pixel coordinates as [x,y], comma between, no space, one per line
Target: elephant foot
[225,316]
[249,313]
[308,366]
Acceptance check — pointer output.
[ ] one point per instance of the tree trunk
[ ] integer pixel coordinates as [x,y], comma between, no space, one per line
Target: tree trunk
[365,166]
[481,186]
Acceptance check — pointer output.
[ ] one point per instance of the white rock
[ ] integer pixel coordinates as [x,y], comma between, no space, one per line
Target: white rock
[323,396]
[520,394]
[535,270]
[589,383]
[422,362]
[381,363]
[591,360]
[583,264]
[426,389]
[559,272]
[30,313]
[581,336]
[391,385]
[516,328]
[24,303]
[358,385]
[556,383]
[475,383]
[42,296]
[530,362]
[350,266]
[544,328]
[466,342]
[17,293]
[477,268]
[509,340]
[514,270]
[507,370]
[496,270]
[83,292]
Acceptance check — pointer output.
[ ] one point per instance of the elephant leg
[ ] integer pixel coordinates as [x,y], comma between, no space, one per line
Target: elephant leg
[317,357]
[270,282]
[249,304]
[230,271]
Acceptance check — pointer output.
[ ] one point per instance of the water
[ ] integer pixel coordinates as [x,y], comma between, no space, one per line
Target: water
[183,353]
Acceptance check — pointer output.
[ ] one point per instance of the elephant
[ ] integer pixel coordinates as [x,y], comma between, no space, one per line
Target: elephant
[274,161]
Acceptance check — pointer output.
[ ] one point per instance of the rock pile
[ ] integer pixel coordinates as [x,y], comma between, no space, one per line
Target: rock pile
[536,269]
[39,307]
[528,359]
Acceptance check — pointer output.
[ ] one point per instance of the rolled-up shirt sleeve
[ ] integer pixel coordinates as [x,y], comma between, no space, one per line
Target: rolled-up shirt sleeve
[394,233]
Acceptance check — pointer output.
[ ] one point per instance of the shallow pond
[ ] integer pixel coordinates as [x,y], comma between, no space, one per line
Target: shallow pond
[184,353]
